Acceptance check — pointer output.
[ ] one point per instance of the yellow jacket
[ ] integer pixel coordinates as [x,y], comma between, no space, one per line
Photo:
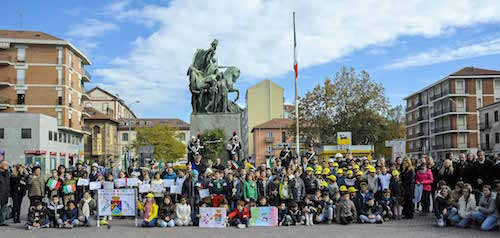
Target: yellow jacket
[153,212]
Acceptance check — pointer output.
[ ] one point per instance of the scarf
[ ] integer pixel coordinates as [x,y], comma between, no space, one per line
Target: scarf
[86,207]
[147,210]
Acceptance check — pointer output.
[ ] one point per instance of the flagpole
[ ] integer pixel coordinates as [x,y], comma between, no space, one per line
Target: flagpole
[297,139]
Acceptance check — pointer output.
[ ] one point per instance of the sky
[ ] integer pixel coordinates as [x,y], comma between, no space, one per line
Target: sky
[141,50]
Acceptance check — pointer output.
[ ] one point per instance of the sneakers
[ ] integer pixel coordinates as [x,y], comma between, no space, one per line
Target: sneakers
[241,226]
[329,222]
[30,228]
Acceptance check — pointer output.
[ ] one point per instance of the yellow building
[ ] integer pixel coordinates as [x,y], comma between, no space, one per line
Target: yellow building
[357,151]
[264,103]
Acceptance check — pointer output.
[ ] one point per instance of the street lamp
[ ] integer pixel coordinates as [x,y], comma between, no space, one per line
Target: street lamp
[129,128]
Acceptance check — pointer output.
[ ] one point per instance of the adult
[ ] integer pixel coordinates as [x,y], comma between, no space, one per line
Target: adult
[447,173]
[408,187]
[133,171]
[94,173]
[36,185]
[459,167]
[485,211]
[18,182]
[482,169]
[219,165]
[286,156]
[4,191]
[466,205]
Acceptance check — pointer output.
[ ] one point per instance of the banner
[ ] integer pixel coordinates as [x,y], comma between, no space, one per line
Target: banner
[116,202]
[264,216]
[213,217]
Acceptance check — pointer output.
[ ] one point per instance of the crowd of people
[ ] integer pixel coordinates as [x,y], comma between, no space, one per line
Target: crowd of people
[308,191]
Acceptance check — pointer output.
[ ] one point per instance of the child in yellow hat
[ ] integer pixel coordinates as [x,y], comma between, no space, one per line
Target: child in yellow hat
[150,209]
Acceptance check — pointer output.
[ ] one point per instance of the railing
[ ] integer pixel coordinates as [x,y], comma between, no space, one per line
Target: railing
[5,59]
[270,139]
[87,74]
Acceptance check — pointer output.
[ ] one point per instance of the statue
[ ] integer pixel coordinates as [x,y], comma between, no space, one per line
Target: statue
[209,86]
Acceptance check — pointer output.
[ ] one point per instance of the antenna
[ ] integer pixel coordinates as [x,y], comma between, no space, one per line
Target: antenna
[20,13]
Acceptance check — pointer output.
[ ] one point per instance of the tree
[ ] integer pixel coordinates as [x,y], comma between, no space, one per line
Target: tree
[213,143]
[165,139]
[350,102]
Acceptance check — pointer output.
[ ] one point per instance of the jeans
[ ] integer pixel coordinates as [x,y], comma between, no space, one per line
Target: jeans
[365,219]
[164,223]
[326,215]
[151,223]
[3,213]
[487,222]
[236,221]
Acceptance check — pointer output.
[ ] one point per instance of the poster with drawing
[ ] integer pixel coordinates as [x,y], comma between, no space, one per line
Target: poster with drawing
[213,217]
[116,202]
[264,216]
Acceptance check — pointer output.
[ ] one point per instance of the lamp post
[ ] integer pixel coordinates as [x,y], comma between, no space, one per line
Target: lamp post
[129,129]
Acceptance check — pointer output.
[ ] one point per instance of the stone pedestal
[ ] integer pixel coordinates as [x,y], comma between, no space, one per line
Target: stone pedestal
[228,122]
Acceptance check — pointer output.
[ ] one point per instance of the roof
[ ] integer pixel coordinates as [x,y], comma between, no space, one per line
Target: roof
[97,115]
[172,122]
[40,38]
[288,107]
[495,104]
[114,98]
[276,123]
[467,72]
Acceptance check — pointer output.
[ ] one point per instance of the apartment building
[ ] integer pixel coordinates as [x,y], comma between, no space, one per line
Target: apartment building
[489,125]
[443,117]
[108,103]
[40,73]
[270,137]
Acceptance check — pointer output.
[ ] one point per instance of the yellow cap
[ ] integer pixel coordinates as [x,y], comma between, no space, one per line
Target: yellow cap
[343,188]
[319,168]
[352,190]
[340,171]
[335,164]
[359,173]
[326,171]
[317,172]
[349,172]
[150,195]
[309,169]
[395,172]
[332,177]
[323,184]
[355,166]
[372,170]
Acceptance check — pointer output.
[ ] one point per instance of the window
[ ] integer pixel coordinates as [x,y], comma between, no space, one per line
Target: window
[105,107]
[462,122]
[70,98]
[496,115]
[487,137]
[269,134]
[59,56]
[59,118]
[2,133]
[125,137]
[479,103]
[269,149]
[70,80]
[59,77]
[183,136]
[50,135]
[60,137]
[70,60]
[26,133]
[497,90]
[21,54]
[21,76]
[20,99]
[283,137]
[460,107]
[149,123]
[460,86]
[141,123]
[97,131]
[89,104]
[479,87]
[497,138]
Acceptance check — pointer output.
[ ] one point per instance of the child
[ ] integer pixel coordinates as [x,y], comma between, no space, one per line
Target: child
[443,205]
[263,202]
[371,212]
[309,211]
[350,181]
[217,188]
[37,216]
[397,195]
[282,211]
[69,195]
[250,188]
[167,213]
[150,209]
[183,213]
[87,208]
[294,216]
[387,204]
[332,185]
[70,215]
[326,209]
[55,209]
[346,210]
[239,217]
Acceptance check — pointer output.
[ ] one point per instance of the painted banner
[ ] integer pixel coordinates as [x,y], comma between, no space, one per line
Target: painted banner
[213,217]
[264,216]
[116,202]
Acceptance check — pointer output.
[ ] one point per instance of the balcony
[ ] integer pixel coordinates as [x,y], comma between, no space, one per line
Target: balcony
[269,139]
[442,94]
[4,103]
[5,60]
[6,81]
[270,153]
[86,77]
[442,111]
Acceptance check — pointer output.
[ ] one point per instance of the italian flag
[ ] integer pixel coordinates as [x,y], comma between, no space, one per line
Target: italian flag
[234,165]
[70,188]
[53,184]
[295,63]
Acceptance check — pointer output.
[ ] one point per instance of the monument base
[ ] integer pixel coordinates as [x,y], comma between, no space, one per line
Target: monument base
[228,122]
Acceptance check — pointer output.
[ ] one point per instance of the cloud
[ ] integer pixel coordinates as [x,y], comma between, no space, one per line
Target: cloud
[91,28]
[257,37]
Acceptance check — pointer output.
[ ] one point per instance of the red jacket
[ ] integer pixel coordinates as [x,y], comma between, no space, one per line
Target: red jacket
[236,213]
[425,179]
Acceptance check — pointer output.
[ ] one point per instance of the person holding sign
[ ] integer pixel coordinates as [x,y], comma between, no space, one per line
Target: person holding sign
[69,189]
[53,184]
[239,217]
[157,188]
[150,209]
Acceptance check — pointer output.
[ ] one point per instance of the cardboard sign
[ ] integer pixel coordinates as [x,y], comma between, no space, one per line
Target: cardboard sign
[144,188]
[213,217]
[108,185]
[83,182]
[120,183]
[157,187]
[95,185]
[176,189]
[264,216]
[204,193]
[132,182]
[168,183]
[116,202]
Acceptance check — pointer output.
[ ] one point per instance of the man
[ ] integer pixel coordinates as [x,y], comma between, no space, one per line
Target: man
[134,171]
[4,191]
[198,165]
[482,168]
[36,185]
[285,156]
[194,148]
[219,165]
[234,148]
[310,154]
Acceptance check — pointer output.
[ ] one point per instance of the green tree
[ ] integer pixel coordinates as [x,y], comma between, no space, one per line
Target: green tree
[213,143]
[350,102]
[165,139]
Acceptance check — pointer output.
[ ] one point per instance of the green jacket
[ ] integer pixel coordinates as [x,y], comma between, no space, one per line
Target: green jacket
[250,190]
[36,186]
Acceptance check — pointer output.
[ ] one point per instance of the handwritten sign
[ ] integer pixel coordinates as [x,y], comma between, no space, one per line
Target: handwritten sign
[82,182]
[144,188]
[132,182]
[95,185]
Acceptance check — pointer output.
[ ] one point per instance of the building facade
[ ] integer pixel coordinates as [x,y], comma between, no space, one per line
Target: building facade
[35,138]
[443,118]
[264,102]
[270,137]
[108,103]
[489,125]
[101,144]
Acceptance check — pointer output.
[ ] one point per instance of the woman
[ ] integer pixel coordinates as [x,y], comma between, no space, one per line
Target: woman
[424,178]
[443,205]
[408,187]
[466,205]
[150,210]
[485,211]
[18,190]
[447,173]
